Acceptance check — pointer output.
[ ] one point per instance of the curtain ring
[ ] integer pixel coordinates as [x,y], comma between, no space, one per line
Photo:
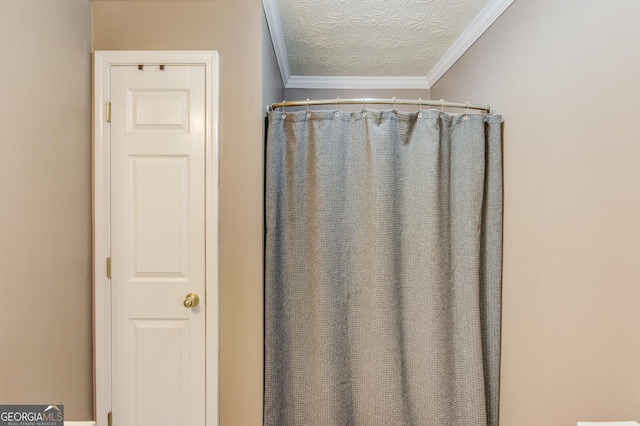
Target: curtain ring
[364,107]
[394,104]
[441,108]
[337,106]
[466,115]
[284,112]
[419,107]
[308,112]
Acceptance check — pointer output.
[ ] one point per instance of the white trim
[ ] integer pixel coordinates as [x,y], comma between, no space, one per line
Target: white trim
[275,29]
[101,232]
[617,423]
[212,237]
[483,21]
[478,26]
[332,82]
[83,423]
[101,240]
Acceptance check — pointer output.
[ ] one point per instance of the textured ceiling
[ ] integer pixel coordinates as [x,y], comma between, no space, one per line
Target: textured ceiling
[372,37]
[365,43]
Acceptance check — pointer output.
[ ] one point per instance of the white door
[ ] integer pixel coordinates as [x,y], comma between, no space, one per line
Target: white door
[158,245]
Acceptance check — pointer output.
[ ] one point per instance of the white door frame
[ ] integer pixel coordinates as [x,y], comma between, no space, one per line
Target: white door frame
[103,61]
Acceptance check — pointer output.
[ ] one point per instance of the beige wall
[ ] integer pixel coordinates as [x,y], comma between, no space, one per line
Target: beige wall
[272,85]
[234,28]
[565,75]
[45,204]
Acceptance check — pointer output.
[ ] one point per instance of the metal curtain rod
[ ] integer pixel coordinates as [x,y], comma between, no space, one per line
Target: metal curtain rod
[486,108]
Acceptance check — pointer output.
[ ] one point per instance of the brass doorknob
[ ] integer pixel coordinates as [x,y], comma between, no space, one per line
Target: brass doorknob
[191,300]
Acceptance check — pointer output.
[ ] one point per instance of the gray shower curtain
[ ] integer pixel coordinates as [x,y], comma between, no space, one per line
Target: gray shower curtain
[383,269]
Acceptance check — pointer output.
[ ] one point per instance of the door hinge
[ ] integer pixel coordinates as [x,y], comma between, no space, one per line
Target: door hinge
[109,418]
[108,267]
[108,108]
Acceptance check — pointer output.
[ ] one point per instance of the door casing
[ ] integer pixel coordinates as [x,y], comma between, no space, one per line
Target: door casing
[103,61]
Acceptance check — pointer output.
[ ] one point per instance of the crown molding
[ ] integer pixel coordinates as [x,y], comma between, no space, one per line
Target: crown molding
[275,29]
[355,82]
[478,26]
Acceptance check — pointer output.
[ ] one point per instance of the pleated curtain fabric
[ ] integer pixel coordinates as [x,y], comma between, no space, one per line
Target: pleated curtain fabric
[383,268]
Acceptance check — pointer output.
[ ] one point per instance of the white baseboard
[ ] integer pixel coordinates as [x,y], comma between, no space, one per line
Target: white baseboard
[83,423]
